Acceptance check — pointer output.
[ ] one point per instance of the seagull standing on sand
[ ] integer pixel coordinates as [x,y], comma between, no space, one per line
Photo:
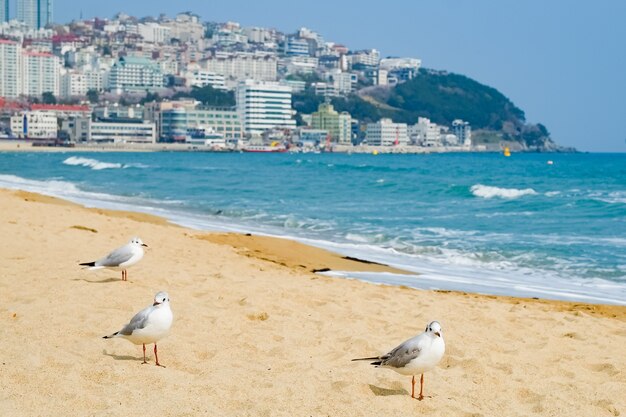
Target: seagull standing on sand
[415,356]
[149,325]
[121,258]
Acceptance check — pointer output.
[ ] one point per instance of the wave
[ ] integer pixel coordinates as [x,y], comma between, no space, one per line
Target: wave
[99,165]
[485,191]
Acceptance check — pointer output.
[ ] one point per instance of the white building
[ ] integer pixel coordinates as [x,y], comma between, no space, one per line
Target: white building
[186,28]
[135,74]
[299,64]
[264,105]
[243,66]
[41,73]
[154,33]
[401,69]
[202,78]
[425,133]
[73,84]
[10,69]
[40,125]
[259,35]
[368,58]
[337,83]
[84,129]
[387,133]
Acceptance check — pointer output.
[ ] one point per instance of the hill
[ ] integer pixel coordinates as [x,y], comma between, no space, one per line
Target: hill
[443,97]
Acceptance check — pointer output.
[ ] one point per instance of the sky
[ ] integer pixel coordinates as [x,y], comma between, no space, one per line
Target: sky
[561,61]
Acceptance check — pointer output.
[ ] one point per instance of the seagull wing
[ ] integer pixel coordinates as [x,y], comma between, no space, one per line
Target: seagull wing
[138,322]
[403,354]
[117,257]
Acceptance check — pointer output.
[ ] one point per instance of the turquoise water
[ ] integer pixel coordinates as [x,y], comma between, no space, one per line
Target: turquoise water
[474,222]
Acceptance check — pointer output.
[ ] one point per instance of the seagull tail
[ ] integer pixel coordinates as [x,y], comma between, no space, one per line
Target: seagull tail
[88,264]
[111,335]
[374,358]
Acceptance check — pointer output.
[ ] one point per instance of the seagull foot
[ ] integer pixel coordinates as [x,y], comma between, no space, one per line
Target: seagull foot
[162,366]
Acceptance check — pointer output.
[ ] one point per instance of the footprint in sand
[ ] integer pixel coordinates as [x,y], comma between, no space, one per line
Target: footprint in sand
[607,368]
[607,405]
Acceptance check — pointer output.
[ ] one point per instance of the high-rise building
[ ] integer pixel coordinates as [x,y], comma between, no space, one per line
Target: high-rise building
[35,13]
[264,105]
[10,68]
[4,10]
[40,74]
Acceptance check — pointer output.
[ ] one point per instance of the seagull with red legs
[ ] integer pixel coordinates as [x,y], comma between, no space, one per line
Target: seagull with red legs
[414,356]
[150,325]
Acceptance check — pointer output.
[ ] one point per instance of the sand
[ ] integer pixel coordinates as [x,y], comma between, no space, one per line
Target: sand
[256,333]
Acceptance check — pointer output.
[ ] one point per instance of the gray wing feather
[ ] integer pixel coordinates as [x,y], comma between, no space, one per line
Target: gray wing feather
[115,258]
[138,322]
[402,355]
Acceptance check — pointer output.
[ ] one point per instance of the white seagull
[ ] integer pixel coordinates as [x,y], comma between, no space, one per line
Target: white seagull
[149,325]
[415,356]
[121,258]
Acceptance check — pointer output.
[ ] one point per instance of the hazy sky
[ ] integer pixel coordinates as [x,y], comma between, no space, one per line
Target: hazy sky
[561,61]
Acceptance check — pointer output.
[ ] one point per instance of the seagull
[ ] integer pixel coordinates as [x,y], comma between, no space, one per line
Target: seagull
[415,356]
[121,258]
[149,325]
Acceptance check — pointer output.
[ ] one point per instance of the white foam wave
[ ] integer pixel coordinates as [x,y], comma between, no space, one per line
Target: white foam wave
[616,197]
[486,191]
[99,165]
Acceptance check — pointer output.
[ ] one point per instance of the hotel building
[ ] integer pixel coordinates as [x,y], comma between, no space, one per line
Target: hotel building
[264,105]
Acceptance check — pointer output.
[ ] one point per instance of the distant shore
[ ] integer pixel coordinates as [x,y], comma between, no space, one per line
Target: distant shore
[28,146]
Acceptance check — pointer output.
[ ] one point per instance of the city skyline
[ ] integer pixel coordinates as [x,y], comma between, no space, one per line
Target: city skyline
[560,62]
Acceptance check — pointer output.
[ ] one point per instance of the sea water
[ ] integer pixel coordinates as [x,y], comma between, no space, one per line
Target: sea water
[474,222]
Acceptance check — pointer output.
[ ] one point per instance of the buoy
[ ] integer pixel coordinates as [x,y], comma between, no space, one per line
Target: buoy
[550,163]
[375,152]
[507,151]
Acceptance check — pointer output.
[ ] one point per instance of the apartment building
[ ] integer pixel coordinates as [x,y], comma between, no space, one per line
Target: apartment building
[241,66]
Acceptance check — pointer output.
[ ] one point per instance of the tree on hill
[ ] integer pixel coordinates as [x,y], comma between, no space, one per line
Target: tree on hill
[209,96]
[93,96]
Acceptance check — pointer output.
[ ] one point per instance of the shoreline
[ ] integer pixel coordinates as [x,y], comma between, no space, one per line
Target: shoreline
[294,255]
[257,334]
[400,270]
[22,145]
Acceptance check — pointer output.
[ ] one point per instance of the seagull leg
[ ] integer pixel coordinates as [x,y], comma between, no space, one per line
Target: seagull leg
[144,354]
[421,397]
[156,357]
[413,387]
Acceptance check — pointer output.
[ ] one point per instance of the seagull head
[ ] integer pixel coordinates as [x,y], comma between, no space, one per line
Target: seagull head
[137,241]
[434,328]
[161,298]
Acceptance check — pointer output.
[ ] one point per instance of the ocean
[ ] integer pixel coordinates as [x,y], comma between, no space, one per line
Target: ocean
[520,226]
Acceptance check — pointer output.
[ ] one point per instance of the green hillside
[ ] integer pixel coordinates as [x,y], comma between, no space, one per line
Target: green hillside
[442,97]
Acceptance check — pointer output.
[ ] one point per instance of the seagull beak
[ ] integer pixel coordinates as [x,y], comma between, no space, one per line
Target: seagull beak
[156,303]
[438,334]
[143,244]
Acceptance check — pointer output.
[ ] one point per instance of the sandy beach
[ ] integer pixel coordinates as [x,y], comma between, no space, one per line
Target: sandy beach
[257,333]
